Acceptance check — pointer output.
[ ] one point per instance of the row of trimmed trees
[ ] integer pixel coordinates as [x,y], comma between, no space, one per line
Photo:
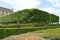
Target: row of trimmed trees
[30,16]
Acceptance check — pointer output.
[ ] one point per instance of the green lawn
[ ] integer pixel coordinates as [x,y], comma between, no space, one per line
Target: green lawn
[47,31]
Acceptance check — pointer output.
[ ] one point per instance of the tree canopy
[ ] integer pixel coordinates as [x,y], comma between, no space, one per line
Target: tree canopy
[29,16]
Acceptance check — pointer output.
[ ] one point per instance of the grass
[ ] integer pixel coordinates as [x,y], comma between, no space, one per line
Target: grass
[4,32]
[47,31]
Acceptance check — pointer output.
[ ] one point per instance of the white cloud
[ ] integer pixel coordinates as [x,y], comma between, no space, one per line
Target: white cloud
[23,4]
[9,1]
[55,8]
[51,10]
[55,3]
[2,5]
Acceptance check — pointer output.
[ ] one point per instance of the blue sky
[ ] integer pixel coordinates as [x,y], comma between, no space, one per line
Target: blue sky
[51,6]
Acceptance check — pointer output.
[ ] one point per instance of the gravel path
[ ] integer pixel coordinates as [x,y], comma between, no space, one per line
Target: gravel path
[26,36]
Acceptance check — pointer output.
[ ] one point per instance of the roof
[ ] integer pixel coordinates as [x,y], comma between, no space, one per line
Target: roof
[6,9]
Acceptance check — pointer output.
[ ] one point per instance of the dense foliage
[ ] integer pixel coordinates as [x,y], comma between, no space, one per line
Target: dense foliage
[30,16]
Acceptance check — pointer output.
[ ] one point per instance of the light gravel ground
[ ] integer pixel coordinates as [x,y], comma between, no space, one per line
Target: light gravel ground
[27,36]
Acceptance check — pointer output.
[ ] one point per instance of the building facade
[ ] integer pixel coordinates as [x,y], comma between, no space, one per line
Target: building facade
[5,11]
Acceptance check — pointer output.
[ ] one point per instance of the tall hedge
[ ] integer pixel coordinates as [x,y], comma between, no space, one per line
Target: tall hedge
[30,16]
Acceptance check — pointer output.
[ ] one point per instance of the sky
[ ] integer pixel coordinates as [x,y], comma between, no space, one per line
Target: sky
[51,6]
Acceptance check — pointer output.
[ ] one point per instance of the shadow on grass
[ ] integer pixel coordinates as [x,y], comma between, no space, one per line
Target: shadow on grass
[9,32]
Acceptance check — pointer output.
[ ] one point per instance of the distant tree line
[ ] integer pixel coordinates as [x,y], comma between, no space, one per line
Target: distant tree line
[30,16]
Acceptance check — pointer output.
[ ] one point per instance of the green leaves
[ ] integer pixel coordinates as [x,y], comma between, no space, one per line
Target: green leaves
[54,18]
[30,16]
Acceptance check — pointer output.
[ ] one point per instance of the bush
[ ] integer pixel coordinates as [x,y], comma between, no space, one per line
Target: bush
[55,38]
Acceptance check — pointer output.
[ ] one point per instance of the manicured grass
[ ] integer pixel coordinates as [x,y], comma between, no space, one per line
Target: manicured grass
[47,31]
